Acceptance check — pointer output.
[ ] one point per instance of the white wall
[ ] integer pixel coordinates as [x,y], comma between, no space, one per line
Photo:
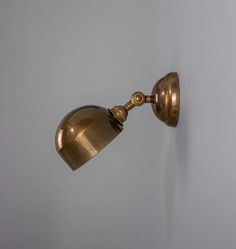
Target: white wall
[55,56]
[197,38]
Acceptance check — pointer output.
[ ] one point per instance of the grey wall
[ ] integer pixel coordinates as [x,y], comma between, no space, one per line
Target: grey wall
[153,186]
[55,56]
[198,39]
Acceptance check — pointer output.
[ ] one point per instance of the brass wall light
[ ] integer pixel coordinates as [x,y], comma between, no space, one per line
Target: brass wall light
[86,130]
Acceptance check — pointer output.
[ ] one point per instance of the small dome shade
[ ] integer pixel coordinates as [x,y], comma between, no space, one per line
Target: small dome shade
[84,132]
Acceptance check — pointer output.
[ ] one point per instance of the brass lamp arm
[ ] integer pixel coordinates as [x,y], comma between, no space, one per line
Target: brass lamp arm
[137,99]
[86,130]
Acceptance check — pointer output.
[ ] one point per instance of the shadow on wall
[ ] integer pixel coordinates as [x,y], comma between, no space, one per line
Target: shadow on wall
[176,168]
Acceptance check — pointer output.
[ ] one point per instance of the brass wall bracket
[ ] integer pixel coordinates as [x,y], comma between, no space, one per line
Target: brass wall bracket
[165,101]
[85,131]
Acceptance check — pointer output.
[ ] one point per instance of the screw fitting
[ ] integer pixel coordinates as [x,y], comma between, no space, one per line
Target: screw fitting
[138,98]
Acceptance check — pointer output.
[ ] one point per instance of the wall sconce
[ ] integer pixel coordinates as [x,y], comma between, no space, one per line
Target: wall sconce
[86,130]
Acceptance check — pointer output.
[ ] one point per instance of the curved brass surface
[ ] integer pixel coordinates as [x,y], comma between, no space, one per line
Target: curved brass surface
[167,99]
[84,132]
[87,130]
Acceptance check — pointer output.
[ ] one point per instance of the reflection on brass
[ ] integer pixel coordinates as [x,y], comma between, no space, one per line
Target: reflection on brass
[167,94]
[85,131]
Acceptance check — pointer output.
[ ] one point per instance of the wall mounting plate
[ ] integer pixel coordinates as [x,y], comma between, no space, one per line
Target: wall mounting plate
[167,98]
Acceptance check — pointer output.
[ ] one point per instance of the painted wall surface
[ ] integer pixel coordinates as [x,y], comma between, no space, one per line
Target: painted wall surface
[56,56]
[197,38]
[153,186]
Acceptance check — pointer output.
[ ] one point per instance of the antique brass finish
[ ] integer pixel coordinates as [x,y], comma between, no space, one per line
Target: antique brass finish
[84,132]
[165,100]
[137,99]
[167,94]
[87,130]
